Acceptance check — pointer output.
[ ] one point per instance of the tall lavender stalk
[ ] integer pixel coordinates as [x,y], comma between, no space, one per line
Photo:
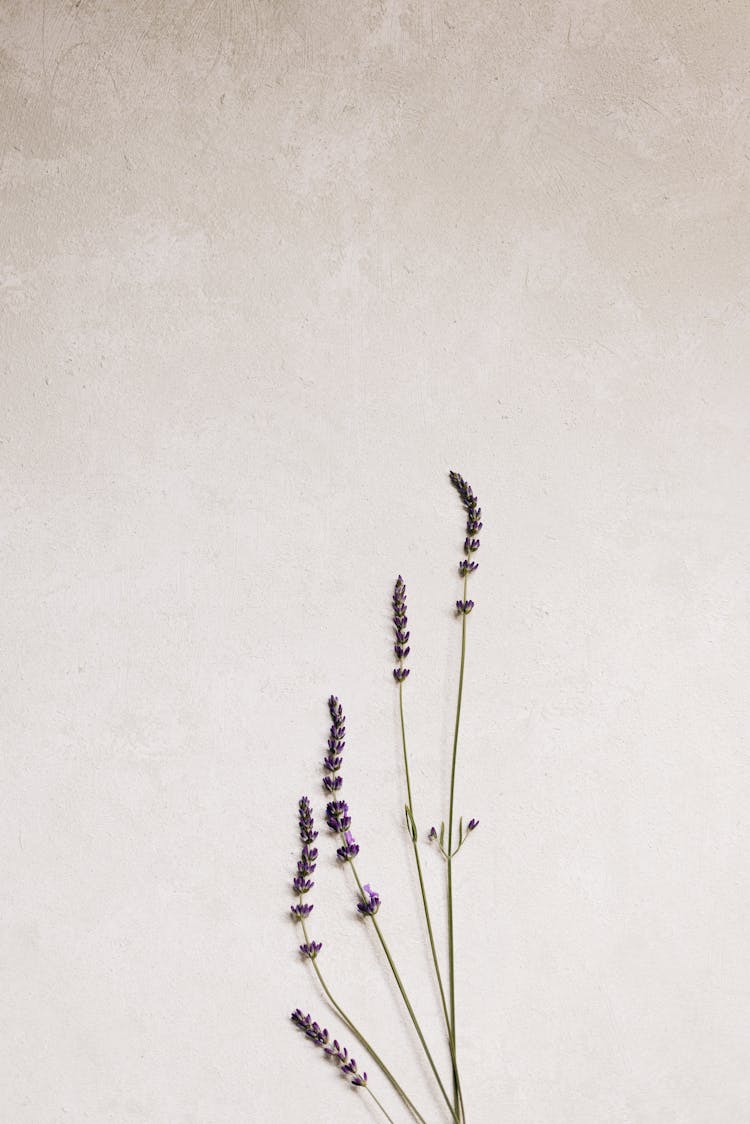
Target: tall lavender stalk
[464,606]
[401,650]
[301,910]
[339,821]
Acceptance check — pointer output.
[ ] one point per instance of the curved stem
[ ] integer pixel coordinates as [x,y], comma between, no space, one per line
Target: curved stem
[358,1033]
[426,908]
[451,949]
[405,997]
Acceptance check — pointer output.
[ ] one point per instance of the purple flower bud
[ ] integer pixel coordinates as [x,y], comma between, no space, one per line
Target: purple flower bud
[307,832]
[311,1029]
[349,850]
[350,1067]
[337,1051]
[467,567]
[400,673]
[306,864]
[465,606]
[302,885]
[371,903]
[300,910]
[337,815]
[333,784]
[310,948]
[433,833]
[472,824]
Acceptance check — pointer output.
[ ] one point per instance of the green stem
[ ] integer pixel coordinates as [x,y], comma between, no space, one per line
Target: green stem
[451,948]
[423,892]
[377,1102]
[358,1033]
[405,997]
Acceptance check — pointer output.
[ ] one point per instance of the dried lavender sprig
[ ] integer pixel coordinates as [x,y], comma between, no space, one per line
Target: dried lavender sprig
[464,607]
[402,638]
[310,948]
[320,1037]
[337,815]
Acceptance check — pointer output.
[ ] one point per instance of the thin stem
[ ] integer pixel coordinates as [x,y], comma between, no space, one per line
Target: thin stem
[355,1030]
[377,1102]
[405,997]
[451,950]
[423,892]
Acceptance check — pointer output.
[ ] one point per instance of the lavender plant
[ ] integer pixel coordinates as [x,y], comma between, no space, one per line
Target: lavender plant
[449,840]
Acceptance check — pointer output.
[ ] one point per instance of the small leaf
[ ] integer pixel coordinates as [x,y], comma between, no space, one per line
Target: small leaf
[410,823]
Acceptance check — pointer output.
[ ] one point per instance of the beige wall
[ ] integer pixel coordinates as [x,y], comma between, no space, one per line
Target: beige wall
[268,271]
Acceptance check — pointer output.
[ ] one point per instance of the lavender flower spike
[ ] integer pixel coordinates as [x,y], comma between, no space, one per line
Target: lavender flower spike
[401,646]
[473,521]
[337,811]
[302,883]
[320,1037]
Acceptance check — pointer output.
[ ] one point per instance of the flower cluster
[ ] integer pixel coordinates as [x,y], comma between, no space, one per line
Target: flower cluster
[464,606]
[306,865]
[302,882]
[349,849]
[337,811]
[438,837]
[333,760]
[371,903]
[310,948]
[473,523]
[337,815]
[320,1037]
[401,647]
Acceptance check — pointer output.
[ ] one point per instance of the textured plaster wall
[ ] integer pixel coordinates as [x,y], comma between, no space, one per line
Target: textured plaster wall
[268,271]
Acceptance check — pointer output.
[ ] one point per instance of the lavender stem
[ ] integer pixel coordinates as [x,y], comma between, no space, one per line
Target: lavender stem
[428,919]
[380,1106]
[358,1033]
[451,948]
[405,997]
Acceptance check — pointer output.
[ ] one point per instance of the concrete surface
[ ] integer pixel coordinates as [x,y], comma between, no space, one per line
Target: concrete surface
[268,271]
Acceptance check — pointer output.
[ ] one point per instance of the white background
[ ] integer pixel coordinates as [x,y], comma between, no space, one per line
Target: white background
[269,270]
